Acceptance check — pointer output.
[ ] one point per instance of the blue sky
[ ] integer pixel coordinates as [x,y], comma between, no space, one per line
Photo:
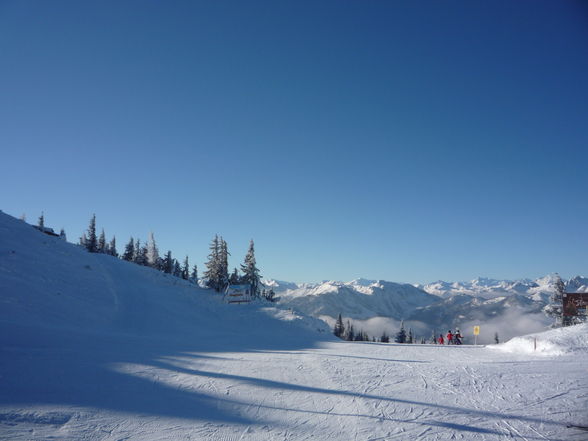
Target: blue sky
[406,141]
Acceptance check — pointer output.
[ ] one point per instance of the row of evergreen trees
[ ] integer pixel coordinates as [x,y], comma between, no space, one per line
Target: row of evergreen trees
[217,268]
[216,275]
[146,254]
[346,332]
[97,244]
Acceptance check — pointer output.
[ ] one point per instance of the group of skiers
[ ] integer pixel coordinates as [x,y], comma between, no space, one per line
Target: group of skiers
[452,339]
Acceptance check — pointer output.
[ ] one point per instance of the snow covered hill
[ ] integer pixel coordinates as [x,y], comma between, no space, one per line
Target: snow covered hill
[561,341]
[93,348]
[48,282]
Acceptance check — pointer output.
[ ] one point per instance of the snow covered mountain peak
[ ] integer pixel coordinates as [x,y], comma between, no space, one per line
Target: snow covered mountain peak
[488,288]
[362,282]
[360,299]
[577,284]
[486,282]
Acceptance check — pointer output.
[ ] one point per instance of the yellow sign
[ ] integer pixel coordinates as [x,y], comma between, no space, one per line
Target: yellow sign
[476,330]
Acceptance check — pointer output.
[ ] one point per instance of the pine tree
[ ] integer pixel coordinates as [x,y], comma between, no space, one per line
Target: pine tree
[339,329]
[194,275]
[250,271]
[270,295]
[112,247]
[137,255]
[212,273]
[224,264]
[217,272]
[234,278]
[555,308]
[152,252]
[41,223]
[410,336]
[83,240]
[62,235]
[348,333]
[496,340]
[186,269]
[351,334]
[141,254]
[384,338]
[177,269]
[101,246]
[168,263]
[92,242]
[129,253]
[401,335]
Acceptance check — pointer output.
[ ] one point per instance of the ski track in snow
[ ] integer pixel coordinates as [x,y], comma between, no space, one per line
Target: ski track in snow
[340,391]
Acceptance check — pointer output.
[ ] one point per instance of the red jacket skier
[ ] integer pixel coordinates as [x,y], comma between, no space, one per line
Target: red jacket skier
[449,337]
[440,340]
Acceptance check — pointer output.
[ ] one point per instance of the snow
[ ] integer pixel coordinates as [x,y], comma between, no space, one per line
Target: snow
[556,342]
[93,348]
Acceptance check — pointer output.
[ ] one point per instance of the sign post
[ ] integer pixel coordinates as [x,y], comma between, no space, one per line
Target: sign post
[476,333]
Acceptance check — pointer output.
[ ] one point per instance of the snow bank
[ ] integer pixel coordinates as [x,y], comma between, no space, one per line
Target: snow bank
[555,342]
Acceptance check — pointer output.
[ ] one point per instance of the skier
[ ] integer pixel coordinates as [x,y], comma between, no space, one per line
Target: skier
[440,340]
[449,337]
[457,337]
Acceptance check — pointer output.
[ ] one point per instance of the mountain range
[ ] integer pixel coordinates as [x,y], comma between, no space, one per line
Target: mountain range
[503,307]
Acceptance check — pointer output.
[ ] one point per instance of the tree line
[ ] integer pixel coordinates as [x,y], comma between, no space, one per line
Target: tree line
[348,333]
[216,276]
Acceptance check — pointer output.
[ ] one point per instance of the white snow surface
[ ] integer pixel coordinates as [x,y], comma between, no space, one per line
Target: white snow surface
[93,348]
[560,341]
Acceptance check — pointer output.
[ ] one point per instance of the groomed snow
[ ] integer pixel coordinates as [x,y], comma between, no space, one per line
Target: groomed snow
[95,349]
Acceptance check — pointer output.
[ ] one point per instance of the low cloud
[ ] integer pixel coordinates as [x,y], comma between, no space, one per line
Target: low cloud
[508,325]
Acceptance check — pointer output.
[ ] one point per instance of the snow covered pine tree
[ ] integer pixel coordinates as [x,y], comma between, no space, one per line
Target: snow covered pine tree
[555,308]
[212,273]
[250,271]
[91,240]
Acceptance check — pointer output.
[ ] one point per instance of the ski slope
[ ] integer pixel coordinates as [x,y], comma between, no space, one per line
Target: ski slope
[92,348]
[135,389]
